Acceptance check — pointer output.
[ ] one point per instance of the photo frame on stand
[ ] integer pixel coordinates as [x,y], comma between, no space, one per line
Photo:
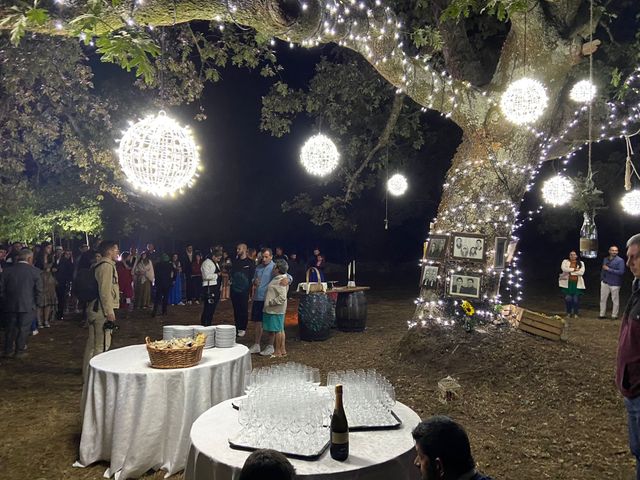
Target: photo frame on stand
[468,246]
[437,247]
[500,256]
[465,285]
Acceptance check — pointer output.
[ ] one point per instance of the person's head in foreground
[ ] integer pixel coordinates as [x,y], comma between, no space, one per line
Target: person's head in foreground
[443,451]
[267,465]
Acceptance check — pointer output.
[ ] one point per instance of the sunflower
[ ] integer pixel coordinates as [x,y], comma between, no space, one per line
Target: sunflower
[468,308]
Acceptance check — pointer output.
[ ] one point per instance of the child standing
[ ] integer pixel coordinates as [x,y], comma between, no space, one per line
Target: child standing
[275,306]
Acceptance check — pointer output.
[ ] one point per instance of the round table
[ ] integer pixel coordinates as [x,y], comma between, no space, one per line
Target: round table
[373,455]
[138,418]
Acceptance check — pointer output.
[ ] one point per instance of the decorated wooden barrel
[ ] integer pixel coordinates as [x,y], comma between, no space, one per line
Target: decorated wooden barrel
[351,312]
[316,314]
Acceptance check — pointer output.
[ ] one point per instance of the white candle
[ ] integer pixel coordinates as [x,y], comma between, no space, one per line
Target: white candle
[349,272]
[354,269]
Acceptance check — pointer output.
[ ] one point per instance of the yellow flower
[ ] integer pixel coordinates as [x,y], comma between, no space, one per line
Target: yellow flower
[468,308]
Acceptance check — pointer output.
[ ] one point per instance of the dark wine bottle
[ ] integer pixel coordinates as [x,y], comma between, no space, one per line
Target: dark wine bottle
[339,430]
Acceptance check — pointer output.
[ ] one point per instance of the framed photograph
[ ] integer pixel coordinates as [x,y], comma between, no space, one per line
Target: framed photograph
[465,285]
[437,248]
[499,260]
[469,246]
[429,278]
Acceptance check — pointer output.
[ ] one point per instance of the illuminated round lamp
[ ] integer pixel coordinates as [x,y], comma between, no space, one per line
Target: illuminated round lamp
[319,155]
[631,202]
[557,191]
[158,156]
[397,184]
[583,92]
[524,101]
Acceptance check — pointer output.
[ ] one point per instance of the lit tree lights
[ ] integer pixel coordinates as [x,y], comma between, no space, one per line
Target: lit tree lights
[397,185]
[557,191]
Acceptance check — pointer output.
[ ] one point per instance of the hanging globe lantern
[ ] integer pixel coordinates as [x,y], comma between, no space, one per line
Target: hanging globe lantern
[583,92]
[524,101]
[397,184]
[158,156]
[557,191]
[631,202]
[319,155]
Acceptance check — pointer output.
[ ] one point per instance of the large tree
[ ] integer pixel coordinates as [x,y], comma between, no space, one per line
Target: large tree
[496,160]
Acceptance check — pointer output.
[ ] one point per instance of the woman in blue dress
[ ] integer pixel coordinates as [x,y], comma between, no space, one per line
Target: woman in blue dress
[175,295]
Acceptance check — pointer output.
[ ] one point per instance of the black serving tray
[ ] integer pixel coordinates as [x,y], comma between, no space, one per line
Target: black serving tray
[361,428]
[315,456]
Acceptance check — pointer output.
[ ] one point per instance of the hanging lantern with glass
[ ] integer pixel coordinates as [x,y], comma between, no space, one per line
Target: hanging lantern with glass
[588,236]
[524,101]
[319,155]
[557,191]
[159,156]
[397,185]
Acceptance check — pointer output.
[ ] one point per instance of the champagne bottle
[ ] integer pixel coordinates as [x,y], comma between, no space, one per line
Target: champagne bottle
[339,430]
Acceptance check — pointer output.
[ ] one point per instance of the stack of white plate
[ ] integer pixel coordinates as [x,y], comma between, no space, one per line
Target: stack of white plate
[181,331]
[167,332]
[210,333]
[225,336]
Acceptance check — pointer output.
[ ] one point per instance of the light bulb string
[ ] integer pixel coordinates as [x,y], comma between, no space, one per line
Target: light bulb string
[386,190]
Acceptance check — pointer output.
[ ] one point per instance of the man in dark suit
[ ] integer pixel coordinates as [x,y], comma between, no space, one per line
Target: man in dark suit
[21,293]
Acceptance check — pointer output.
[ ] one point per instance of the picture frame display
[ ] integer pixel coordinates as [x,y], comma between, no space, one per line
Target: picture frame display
[468,246]
[465,285]
[500,249]
[437,247]
[429,278]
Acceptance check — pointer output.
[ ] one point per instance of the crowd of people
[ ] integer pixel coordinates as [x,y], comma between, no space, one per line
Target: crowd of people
[57,283]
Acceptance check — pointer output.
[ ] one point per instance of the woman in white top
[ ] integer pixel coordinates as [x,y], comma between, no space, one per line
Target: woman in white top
[571,282]
[143,278]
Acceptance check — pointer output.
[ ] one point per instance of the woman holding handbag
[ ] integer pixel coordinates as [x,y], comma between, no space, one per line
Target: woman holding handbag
[571,283]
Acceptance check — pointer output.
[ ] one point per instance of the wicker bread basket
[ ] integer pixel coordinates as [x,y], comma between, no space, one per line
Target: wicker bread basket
[176,357]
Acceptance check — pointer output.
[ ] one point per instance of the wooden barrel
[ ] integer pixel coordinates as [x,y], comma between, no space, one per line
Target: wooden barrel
[316,314]
[351,312]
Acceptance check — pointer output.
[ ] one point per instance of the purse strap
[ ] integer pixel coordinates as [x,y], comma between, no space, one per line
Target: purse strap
[317,274]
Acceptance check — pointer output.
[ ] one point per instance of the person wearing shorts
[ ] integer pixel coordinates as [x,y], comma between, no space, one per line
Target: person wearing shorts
[274,308]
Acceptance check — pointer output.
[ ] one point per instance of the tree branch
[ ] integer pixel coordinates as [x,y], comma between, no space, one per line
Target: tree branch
[383,140]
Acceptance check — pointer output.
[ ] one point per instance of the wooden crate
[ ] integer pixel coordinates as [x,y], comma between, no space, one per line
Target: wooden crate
[552,328]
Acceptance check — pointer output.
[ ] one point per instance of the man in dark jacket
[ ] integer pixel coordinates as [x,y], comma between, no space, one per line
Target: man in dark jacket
[242,270]
[164,278]
[443,451]
[628,363]
[21,293]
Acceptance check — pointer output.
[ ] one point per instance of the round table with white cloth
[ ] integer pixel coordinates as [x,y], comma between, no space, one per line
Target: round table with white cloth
[373,454]
[138,418]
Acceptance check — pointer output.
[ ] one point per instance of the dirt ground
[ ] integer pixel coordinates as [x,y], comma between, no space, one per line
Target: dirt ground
[533,408]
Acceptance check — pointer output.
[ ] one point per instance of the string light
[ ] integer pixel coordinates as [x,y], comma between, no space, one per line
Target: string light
[319,155]
[158,156]
[524,101]
[397,185]
[557,190]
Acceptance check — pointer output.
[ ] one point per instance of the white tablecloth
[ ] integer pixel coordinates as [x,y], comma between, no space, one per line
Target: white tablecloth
[139,418]
[373,455]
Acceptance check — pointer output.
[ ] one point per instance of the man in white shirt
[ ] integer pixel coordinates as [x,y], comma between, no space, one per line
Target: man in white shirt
[211,285]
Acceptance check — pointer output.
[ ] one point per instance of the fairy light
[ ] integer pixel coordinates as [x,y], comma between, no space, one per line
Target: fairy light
[631,202]
[557,190]
[397,185]
[319,155]
[158,156]
[583,92]
[524,101]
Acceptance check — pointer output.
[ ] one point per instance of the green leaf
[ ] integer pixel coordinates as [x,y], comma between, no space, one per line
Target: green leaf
[37,16]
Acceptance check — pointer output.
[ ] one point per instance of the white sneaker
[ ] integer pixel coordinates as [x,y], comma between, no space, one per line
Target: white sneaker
[254,348]
[268,351]
[181,303]
[35,332]
[241,333]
